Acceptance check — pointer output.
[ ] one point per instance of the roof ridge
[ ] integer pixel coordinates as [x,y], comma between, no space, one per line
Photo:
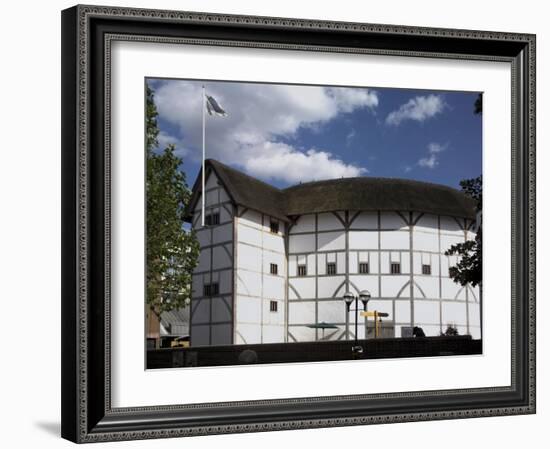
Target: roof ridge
[356,193]
[370,178]
[242,173]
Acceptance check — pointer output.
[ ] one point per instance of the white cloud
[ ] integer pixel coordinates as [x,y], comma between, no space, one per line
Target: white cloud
[349,99]
[281,161]
[419,109]
[428,162]
[432,160]
[164,139]
[350,136]
[261,119]
[434,148]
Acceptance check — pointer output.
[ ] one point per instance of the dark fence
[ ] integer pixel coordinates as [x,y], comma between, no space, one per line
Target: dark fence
[311,351]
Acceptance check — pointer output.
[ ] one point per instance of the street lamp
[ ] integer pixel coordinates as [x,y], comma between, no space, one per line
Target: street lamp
[349,298]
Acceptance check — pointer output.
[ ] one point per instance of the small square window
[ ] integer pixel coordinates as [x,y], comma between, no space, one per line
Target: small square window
[211,289]
[212,219]
[273,306]
[273,268]
[274,226]
[302,270]
[395,268]
[426,269]
[331,268]
[363,268]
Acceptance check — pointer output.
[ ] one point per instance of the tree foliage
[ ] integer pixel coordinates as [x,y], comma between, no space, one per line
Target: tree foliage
[172,251]
[451,331]
[468,270]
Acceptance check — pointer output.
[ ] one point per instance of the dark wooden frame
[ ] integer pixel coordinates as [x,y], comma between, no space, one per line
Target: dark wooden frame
[87,414]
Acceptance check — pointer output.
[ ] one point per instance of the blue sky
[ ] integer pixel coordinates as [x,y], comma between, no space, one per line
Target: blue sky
[286,134]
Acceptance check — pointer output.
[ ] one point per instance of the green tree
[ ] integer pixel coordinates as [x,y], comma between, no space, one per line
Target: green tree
[469,267]
[172,251]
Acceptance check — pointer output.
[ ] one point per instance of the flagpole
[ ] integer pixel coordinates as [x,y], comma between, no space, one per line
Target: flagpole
[203,191]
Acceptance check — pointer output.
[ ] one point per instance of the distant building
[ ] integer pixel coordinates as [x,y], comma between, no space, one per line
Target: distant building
[274,263]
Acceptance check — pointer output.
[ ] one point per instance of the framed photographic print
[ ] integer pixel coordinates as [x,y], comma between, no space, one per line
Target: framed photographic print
[285,216]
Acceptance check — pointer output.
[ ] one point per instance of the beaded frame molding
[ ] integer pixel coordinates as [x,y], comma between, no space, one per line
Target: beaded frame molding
[87,34]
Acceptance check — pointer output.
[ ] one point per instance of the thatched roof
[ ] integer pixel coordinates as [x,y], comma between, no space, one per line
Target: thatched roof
[384,194]
[363,193]
[244,190]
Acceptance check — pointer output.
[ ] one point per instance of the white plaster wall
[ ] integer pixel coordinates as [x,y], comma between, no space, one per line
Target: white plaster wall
[328,285]
[329,222]
[257,248]
[273,287]
[249,283]
[215,265]
[304,223]
[392,220]
[365,282]
[248,257]
[363,239]
[425,241]
[273,242]
[301,312]
[201,311]
[248,310]
[273,334]
[222,256]
[394,240]
[453,313]
[331,241]
[221,309]
[221,334]
[391,285]
[426,312]
[301,243]
[223,233]
[365,220]
[303,286]
[273,319]
[429,285]
[331,312]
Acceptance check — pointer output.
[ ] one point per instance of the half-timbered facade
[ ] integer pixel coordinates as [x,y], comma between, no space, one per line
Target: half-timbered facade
[274,264]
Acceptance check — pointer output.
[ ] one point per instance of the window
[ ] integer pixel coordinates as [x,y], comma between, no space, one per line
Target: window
[273,306]
[212,219]
[426,269]
[302,270]
[211,289]
[274,226]
[273,268]
[395,268]
[331,268]
[364,268]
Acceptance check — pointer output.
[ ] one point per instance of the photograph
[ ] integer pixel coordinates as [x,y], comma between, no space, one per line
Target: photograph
[274,220]
[310,223]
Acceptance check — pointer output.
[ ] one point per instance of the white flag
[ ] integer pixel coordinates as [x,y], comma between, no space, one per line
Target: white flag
[213,107]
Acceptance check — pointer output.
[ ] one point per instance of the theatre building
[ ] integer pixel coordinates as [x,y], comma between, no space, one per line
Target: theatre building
[275,263]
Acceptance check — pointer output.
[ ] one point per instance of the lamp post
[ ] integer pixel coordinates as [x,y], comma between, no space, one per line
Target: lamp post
[349,298]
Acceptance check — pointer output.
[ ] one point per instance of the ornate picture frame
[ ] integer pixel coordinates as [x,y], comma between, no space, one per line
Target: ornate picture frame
[88,33]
